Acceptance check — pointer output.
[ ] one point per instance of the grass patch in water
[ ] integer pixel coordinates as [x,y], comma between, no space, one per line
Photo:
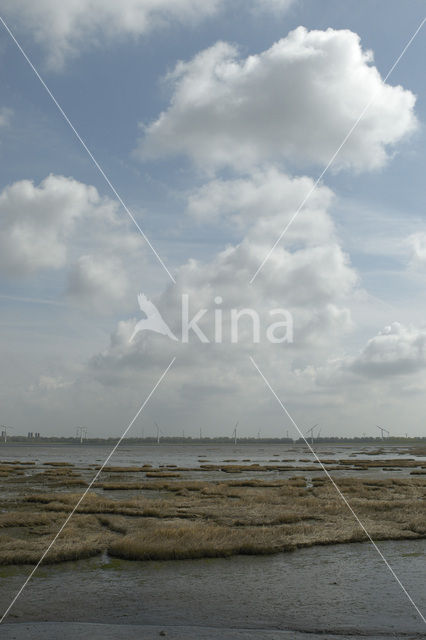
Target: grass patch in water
[202,518]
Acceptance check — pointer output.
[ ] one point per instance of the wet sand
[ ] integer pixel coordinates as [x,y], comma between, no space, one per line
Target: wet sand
[74,630]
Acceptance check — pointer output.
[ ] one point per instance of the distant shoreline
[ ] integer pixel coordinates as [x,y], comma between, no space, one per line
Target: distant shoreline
[208,441]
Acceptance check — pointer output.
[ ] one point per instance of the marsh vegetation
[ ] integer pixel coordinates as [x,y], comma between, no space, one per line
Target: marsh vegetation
[156,513]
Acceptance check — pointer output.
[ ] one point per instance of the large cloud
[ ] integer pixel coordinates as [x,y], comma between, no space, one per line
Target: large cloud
[310,269]
[294,102]
[64,29]
[311,277]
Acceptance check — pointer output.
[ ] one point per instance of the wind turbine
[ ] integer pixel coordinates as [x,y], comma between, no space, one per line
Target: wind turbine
[234,433]
[311,431]
[4,432]
[82,433]
[160,432]
[382,429]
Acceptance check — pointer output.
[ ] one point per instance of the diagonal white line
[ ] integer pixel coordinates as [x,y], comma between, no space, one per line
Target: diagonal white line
[335,154]
[342,496]
[80,500]
[90,154]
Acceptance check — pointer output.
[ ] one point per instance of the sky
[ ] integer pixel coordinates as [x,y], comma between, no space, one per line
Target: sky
[212,123]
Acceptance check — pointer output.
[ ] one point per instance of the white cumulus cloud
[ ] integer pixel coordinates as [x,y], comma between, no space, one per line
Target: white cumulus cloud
[294,102]
[311,278]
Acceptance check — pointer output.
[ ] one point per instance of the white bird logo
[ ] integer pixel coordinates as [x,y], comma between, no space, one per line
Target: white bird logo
[153,320]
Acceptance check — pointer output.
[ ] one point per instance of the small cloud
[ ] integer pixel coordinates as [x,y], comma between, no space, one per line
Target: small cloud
[417,247]
[6,115]
[272,6]
[36,220]
[396,350]
[98,282]
[49,383]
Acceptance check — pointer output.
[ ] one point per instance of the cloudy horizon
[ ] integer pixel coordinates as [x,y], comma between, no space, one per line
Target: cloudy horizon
[213,125]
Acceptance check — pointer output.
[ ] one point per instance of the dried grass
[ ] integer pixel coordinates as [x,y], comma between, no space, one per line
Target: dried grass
[25,519]
[196,518]
[176,541]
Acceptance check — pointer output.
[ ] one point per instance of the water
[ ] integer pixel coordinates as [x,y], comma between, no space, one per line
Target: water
[190,455]
[323,592]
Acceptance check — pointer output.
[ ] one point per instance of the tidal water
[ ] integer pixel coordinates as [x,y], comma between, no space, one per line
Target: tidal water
[196,454]
[342,591]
